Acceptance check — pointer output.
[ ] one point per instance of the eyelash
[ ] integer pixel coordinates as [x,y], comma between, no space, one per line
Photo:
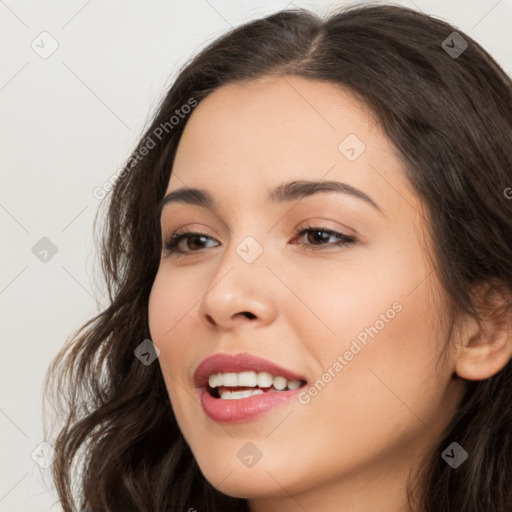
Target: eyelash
[171,245]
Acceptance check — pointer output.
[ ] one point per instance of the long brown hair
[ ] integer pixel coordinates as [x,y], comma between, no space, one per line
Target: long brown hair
[449,116]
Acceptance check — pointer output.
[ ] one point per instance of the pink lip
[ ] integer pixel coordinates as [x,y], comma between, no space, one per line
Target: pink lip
[243,409]
[224,363]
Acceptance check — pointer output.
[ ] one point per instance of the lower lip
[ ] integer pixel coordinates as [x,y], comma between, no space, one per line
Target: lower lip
[244,409]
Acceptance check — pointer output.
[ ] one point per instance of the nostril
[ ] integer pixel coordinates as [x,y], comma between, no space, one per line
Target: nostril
[248,314]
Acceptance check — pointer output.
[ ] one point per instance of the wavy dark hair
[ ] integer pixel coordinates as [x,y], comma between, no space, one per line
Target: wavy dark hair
[118,446]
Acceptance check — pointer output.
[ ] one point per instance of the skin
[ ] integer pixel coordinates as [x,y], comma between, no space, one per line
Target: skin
[353,445]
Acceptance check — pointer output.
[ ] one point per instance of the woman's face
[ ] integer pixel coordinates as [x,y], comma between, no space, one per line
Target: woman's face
[362,322]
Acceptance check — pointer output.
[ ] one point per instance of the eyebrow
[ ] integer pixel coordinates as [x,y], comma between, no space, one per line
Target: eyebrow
[291,191]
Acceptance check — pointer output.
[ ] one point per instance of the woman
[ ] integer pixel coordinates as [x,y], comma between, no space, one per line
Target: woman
[308,259]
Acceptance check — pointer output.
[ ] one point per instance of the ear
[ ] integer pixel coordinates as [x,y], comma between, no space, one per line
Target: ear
[485,349]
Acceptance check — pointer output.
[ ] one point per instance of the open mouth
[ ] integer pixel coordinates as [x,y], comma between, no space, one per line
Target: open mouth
[234,386]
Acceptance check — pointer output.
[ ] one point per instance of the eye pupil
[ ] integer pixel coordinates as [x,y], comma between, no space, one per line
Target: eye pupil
[317,235]
[195,237]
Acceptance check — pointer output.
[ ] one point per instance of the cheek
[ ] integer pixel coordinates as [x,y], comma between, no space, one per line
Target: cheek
[160,303]
[172,297]
[167,310]
[387,384]
[167,313]
[380,344]
[383,402]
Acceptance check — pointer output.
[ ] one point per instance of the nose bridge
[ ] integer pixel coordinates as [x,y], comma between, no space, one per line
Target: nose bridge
[247,239]
[240,282]
[244,262]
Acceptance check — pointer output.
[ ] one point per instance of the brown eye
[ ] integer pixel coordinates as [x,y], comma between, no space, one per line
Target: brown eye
[195,239]
[317,235]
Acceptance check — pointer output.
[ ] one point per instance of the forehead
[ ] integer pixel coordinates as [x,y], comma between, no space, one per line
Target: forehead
[248,137]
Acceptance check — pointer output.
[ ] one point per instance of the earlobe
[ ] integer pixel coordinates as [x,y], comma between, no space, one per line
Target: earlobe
[486,348]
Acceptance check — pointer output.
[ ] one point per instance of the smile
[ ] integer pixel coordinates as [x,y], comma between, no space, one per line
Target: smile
[232,386]
[241,387]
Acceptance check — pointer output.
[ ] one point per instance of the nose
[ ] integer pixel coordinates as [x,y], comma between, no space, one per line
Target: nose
[239,292]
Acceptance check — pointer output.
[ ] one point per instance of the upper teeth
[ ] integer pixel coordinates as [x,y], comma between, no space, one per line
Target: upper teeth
[251,379]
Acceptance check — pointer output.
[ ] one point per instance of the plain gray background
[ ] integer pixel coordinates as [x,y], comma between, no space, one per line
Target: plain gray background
[69,121]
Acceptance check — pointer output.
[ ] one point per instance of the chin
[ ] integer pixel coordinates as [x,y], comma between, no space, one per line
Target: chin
[243,484]
[266,478]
